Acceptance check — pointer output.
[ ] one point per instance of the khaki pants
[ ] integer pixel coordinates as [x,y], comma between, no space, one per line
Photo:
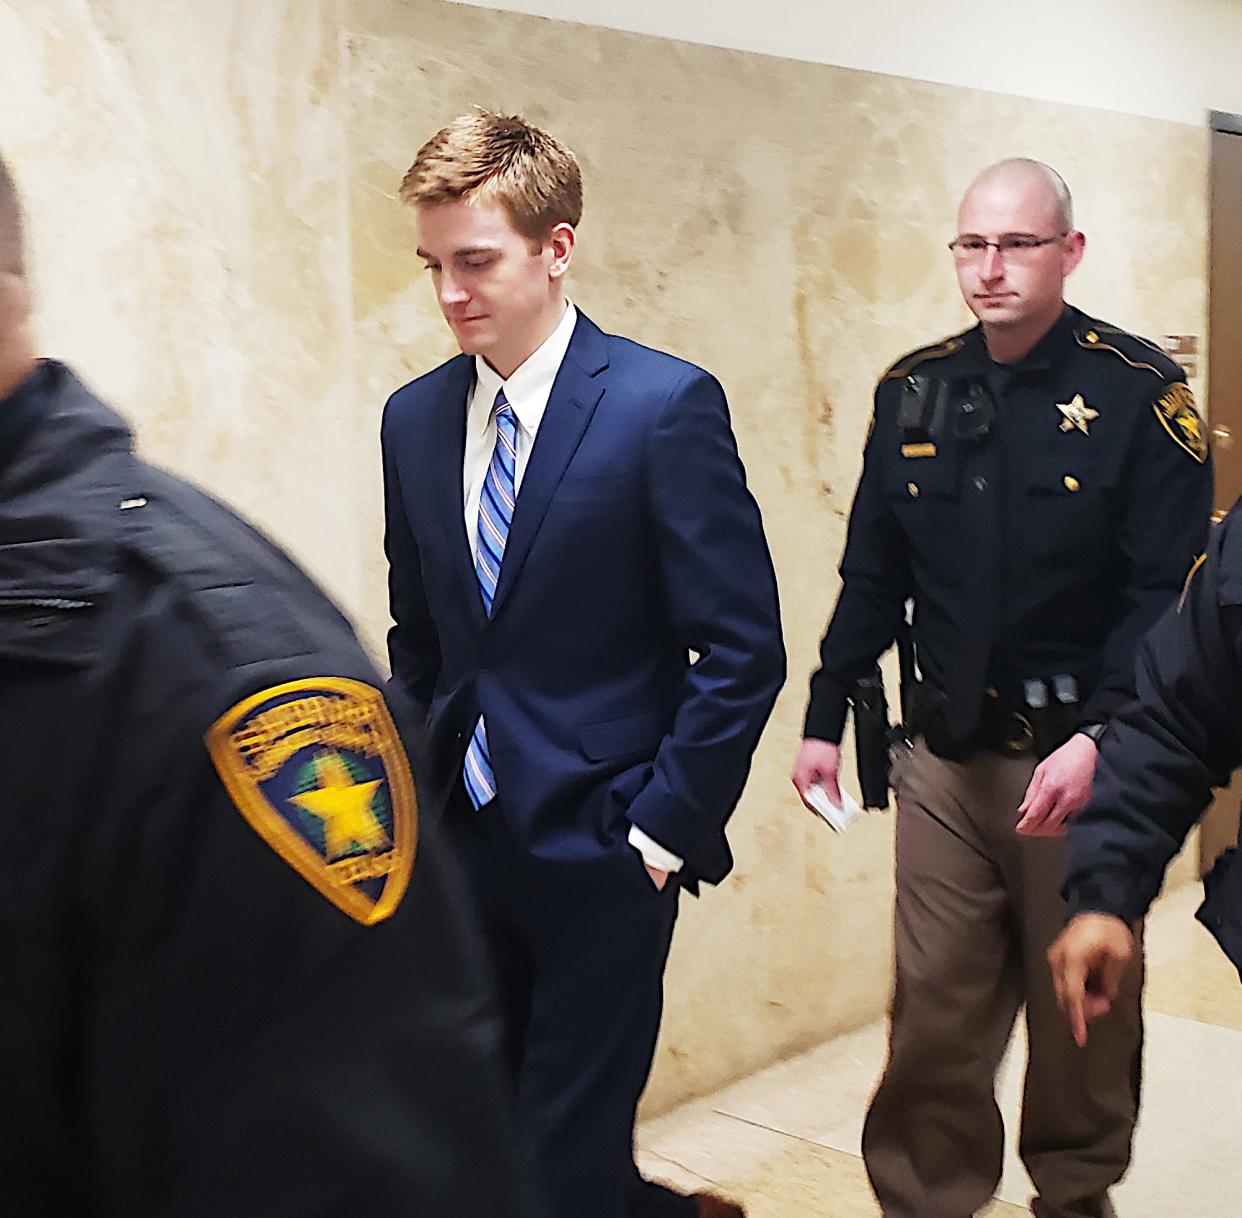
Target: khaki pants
[977,907]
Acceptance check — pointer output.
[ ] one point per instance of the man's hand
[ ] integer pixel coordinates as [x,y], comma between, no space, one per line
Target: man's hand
[1060,786]
[658,878]
[1088,961]
[818,762]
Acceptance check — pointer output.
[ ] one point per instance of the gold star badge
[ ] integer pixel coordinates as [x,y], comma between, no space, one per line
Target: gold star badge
[1077,415]
[344,806]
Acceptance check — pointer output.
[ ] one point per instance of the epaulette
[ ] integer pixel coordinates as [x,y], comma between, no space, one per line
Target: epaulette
[236,595]
[1130,348]
[939,350]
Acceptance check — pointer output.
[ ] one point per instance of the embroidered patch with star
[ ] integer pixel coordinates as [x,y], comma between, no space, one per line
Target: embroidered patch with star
[1175,408]
[317,768]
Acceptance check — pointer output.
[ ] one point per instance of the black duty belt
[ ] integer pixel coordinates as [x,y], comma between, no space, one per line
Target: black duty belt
[1011,725]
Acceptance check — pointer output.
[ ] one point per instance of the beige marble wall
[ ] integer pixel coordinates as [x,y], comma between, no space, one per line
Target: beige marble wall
[218,246]
[182,167]
[782,224]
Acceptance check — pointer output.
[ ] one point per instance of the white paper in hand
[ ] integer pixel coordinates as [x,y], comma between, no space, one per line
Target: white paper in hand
[837,817]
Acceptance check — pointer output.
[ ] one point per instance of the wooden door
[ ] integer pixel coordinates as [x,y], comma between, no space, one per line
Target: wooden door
[1224,385]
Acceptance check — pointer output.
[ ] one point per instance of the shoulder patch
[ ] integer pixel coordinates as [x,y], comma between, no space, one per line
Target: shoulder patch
[1175,408]
[317,768]
[908,363]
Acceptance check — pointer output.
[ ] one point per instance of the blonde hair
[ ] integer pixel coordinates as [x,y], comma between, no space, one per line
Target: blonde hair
[501,158]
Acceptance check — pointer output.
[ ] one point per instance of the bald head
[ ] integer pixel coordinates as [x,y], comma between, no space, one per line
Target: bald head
[1038,185]
[1016,246]
[12,260]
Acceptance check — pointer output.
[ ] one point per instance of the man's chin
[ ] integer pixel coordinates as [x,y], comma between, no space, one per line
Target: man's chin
[470,344]
[996,313]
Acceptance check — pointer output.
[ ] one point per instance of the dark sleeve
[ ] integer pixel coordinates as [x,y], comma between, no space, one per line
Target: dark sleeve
[720,588]
[1168,503]
[876,582]
[1165,752]
[255,1051]
[413,643]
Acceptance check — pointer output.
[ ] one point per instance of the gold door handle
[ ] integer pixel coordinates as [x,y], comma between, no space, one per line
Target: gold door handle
[1222,435]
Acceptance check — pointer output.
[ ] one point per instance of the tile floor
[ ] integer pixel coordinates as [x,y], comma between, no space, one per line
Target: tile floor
[785,1142]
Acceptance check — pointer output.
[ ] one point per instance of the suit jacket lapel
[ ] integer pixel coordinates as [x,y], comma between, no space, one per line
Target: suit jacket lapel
[575,394]
[444,457]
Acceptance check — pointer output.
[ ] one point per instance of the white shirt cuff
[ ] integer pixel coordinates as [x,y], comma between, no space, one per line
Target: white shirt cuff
[654,855]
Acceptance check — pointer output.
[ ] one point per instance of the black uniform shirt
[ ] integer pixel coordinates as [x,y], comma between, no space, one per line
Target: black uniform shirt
[1164,753]
[238,973]
[1040,516]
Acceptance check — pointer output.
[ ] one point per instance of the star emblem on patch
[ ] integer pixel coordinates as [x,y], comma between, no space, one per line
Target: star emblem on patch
[344,806]
[1077,415]
[318,769]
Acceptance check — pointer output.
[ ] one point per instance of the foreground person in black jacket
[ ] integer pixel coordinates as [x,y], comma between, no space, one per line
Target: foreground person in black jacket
[236,978]
[1159,762]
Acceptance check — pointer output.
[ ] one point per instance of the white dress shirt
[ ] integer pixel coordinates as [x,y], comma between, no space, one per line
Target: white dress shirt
[527,392]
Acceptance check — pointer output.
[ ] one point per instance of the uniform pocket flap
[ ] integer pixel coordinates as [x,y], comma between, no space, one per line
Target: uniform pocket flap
[1069,478]
[50,592]
[59,567]
[913,477]
[1072,468]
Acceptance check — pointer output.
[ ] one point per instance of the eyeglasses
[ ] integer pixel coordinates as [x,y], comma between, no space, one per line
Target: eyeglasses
[1015,246]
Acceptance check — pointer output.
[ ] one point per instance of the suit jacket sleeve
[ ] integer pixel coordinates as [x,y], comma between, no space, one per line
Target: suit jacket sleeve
[1168,499]
[876,582]
[720,588]
[1163,754]
[413,644]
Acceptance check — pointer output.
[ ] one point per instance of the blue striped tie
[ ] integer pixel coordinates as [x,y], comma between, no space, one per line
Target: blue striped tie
[495,517]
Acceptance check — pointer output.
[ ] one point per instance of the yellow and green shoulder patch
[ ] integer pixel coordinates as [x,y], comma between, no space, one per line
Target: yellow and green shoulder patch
[317,768]
[1175,408]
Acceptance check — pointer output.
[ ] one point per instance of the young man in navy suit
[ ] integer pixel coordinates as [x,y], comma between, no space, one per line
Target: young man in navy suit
[586,612]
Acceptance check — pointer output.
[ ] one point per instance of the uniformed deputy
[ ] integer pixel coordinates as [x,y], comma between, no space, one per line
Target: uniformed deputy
[236,978]
[1159,761]
[1037,487]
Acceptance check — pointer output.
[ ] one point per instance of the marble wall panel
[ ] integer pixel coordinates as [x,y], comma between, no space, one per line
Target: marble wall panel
[182,166]
[782,224]
[217,245]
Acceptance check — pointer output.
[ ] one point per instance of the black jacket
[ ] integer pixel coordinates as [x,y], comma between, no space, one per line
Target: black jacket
[1162,756]
[1039,515]
[194,1021]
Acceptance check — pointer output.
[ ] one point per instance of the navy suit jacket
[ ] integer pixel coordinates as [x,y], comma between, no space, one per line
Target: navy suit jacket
[634,543]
